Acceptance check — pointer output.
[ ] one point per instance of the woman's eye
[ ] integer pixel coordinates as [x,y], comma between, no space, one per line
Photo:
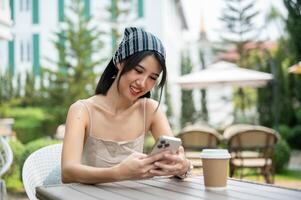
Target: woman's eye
[154,78]
[138,70]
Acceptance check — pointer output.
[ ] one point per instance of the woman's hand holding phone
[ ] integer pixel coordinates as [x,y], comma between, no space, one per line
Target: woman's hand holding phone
[167,158]
[173,161]
[138,166]
[171,164]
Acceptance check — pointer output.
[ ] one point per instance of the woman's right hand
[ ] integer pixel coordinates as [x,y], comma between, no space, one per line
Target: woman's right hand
[138,166]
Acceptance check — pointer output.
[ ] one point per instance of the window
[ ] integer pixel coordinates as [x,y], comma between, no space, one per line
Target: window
[24,5]
[2,5]
[27,5]
[28,51]
[25,51]
[21,51]
[21,5]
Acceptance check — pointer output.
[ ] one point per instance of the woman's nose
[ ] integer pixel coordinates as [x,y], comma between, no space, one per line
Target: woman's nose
[141,82]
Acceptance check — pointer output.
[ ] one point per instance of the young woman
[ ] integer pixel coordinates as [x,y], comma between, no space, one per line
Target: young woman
[105,133]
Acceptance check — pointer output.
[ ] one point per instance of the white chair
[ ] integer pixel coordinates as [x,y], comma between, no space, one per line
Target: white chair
[6,156]
[6,159]
[42,167]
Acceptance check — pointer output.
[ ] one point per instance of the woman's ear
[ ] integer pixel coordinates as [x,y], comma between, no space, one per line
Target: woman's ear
[120,66]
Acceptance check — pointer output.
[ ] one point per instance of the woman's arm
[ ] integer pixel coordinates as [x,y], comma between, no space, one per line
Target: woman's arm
[172,164]
[72,169]
[159,124]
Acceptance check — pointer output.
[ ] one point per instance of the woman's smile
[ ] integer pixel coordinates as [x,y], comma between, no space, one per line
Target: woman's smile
[135,91]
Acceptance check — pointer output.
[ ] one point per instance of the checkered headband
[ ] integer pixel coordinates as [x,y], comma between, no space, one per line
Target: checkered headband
[137,40]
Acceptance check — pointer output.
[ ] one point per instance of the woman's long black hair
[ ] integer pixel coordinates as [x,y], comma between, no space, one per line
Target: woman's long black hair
[107,77]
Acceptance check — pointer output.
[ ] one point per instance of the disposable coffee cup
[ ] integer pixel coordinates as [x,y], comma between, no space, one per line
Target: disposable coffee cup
[215,168]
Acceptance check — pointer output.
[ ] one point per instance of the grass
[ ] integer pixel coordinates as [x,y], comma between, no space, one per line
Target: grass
[292,175]
[286,178]
[289,175]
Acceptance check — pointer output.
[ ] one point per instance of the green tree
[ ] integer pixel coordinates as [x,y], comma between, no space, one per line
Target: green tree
[239,29]
[155,93]
[187,109]
[18,86]
[6,87]
[167,97]
[9,94]
[76,44]
[275,100]
[204,111]
[293,24]
[30,91]
[119,14]
[77,41]
[274,17]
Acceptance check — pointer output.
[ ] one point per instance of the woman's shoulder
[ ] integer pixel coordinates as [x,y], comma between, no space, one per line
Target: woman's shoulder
[78,106]
[81,103]
[150,104]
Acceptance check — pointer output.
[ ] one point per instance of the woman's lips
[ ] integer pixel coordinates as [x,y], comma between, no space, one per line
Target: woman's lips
[134,91]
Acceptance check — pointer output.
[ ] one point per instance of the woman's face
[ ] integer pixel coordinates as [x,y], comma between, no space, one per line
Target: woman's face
[141,79]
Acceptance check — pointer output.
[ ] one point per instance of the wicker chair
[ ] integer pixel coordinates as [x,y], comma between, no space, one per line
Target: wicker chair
[252,147]
[42,167]
[195,138]
[6,159]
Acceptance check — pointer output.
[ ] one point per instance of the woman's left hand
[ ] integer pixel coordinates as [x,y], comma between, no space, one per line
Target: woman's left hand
[173,164]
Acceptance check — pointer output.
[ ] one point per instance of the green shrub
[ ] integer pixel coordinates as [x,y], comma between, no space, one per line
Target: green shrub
[30,123]
[285,132]
[298,115]
[281,155]
[295,139]
[13,177]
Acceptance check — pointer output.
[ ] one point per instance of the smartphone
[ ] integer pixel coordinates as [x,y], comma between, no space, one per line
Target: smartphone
[166,143]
